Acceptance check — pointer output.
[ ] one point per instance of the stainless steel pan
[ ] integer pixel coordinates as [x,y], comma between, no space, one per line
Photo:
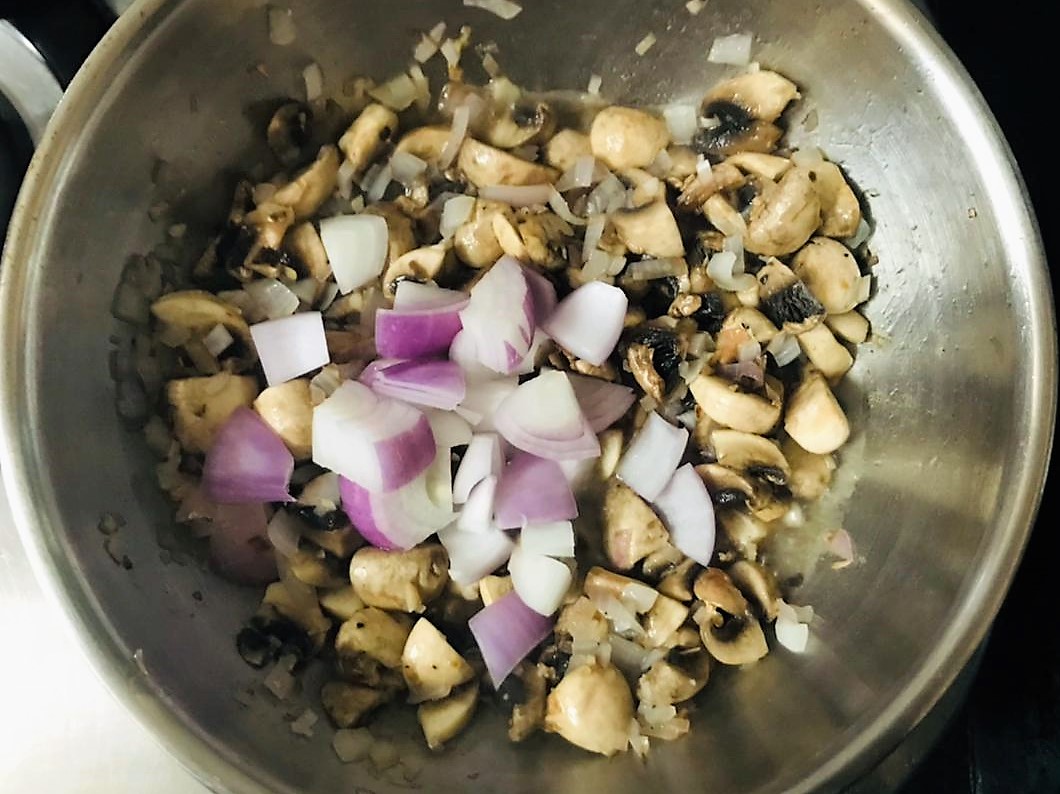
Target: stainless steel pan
[953,403]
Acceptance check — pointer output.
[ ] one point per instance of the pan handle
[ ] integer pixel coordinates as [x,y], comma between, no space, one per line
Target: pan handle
[63,32]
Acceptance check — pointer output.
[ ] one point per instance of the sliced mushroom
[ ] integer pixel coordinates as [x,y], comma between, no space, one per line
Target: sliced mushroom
[402,580]
[303,241]
[763,492]
[317,568]
[735,130]
[601,585]
[661,622]
[814,418]
[632,531]
[763,94]
[748,452]
[840,210]
[743,531]
[683,164]
[341,603]
[485,165]
[202,405]
[524,122]
[197,312]
[543,235]
[311,187]
[649,230]
[698,188]
[785,299]
[442,720]
[288,410]
[731,633]
[348,705]
[725,403]
[667,682]
[661,562]
[627,138]
[353,344]
[646,188]
[810,474]
[724,217]
[639,360]
[784,214]
[475,242]
[431,667]
[298,604]
[728,488]
[373,633]
[758,585]
[528,709]
[340,542]
[591,708]
[824,352]
[764,166]
[753,321]
[565,147]
[677,583]
[365,138]
[288,132]
[269,223]
[401,235]
[852,326]
[421,264]
[584,624]
[491,588]
[508,237]
[426,143]
[830,272]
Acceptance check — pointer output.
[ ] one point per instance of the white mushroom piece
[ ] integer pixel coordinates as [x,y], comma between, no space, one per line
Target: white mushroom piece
[829,271]
[401,580]
[367,136]
[311,187]
[288,410]
[745,108]
[676,679]
[484,166]
[729,405]
[829,357]
[303,242]
[814,419]
[201,405]
[475,242]
[632,531]
[786,300]
[369,646]
[349,704]
[442,720]
[564,149]
[650,230]
[625,138]
[840,210]
[758,585]
[431,667]
[730,631]
[508,120]
[784,214]
[811,474]
[591,708]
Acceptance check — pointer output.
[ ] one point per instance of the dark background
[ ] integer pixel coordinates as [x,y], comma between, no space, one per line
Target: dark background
[1007,736]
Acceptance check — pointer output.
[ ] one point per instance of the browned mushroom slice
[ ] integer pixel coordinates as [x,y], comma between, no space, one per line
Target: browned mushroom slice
[762,94]
[485,165]
[288,132]
[287,409]
[627,138]
[528,711]
[426,143]
[298,603]
[303,242]
[728,405]
[591,708]
[311,187]
[401,580]
[764,166]
[679,678]
[202,405]
[373,633]
[810,474]
[852,326]
[825,353]
[442,720]
[830,272]
[696,190]
[632,531]
[785,299]
[421,264]
[650,230]
[784,214]
[401,234]
[475,242]
[662,621]
[639,360]
[758,585]
[366,137]
[840,210]
[731,633]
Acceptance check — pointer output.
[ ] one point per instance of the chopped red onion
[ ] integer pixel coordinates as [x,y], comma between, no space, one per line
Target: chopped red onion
[474,555]
[542,417]
[449,429]
[273,298]
[687,511]
[589,321]
[554,539]
[544,292]
[239,548]
[749,374]
[477,515]
[506,632]
[517,195]
[500,316]
[734,49]
[602,403]
[418,332]
[396,520]
[533,490]
[247,462]
[465,353]
[540,581]
[482,459]
[482,400]
[377,442]
[357,247]
[435,384]
[652,457]
[290,346]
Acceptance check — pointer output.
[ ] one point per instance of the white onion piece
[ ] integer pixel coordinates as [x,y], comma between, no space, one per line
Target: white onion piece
[273,297]
[399,519]
[406,167]
[864,231]
[455,213]
[596,266]
[313,77]
[380,444]
[542,417]
[594,231]
[505,9]
[218,340]
[357,247]
[306,290]
[589,321]
[652,457]
[748,351]
[864,288]
[606,197]
[284,533]
[413,296]
[397,93]
[703,168]
[449,429]
[541,582]
[482,459]
[686,509]
[500,316]
[281,26]
[517,195]
[720,268]
[554,539]
[377,189]
[423,88]
[648,269]
[457,133]
[477,515]
[734,49]
[581,174]
[290,346]
[784,348]
[474,555]
[683,121]
[482,400]
[560,206]
[791,632]
[603,403]
[595,81]
[695,6]
[465,353]
[661,165]
[645,44]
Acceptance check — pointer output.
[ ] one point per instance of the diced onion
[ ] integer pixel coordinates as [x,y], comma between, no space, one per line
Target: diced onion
[596,265]
[734,49]
[284,533]
[273,297]
[455,214]
[533,490]
[477,514]
[589,321]
[721,269]
[784,348]
[645,44]
[792,632]
[542,417]
[595,81]
[864,288]
[474,555]
[281,26]
[377,189]
[291,346]
[314,82]
[505,9]
[435,384]
[602,403]
[517,195]
[500,316]
[482,459]
[582,174]
[695,6]
[482,400]
[554,539]
[686,509]
[457,133]
[594,231]
[653,457]
[541,582]
[606,197]
[417,332]
[560,206]
[397,93]
[506,631]
[449,429]
[683,121]
[399,519]
[306,290]
[218,340]
[247,462]
[406,167]
[357,247]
